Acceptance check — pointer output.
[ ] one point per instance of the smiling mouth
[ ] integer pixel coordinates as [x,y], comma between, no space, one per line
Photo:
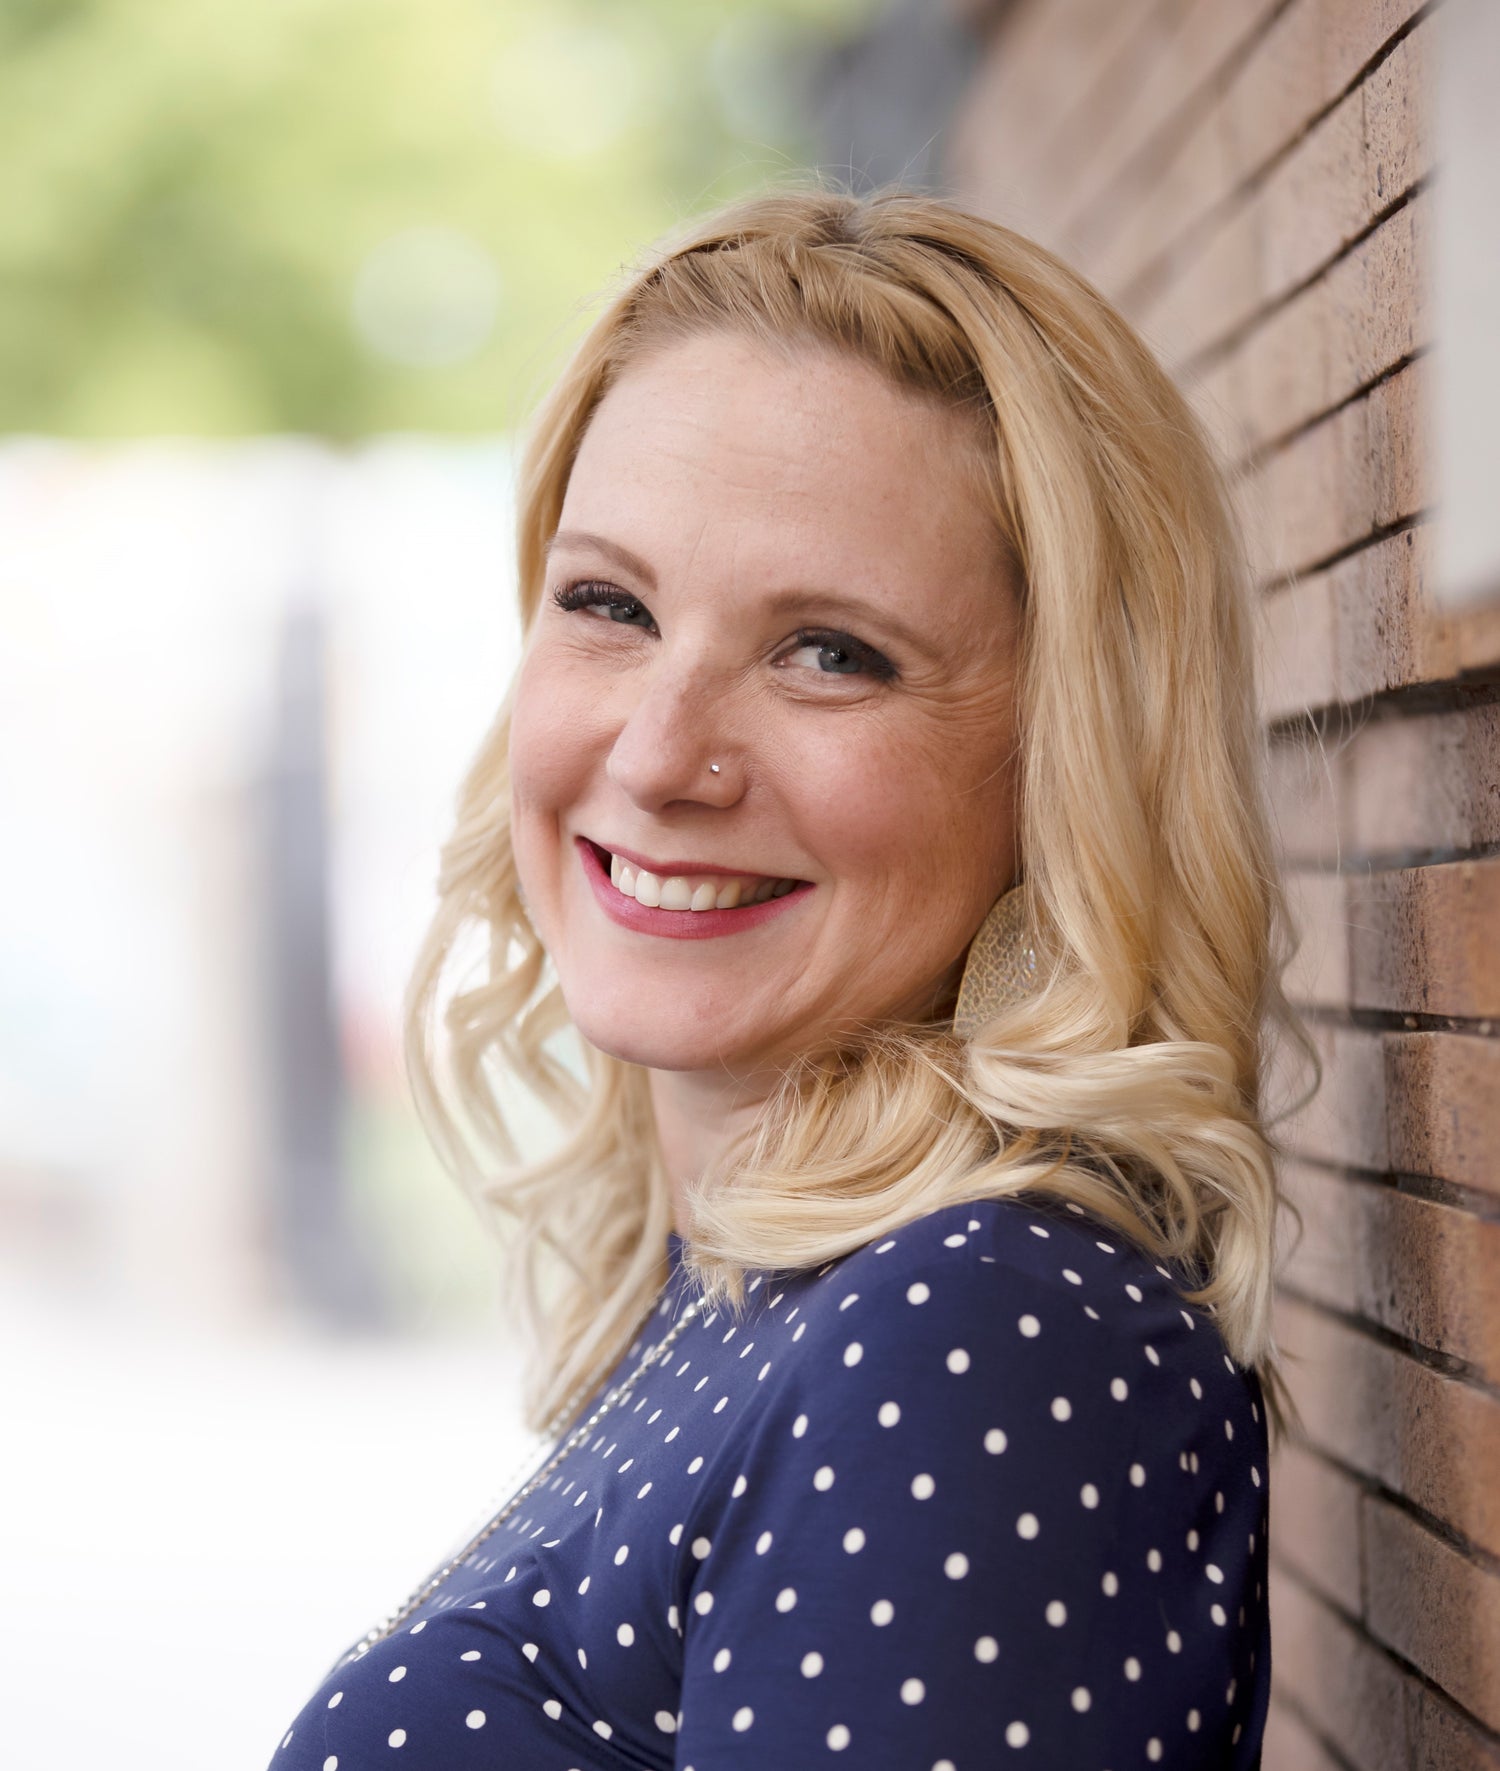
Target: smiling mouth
[689,891]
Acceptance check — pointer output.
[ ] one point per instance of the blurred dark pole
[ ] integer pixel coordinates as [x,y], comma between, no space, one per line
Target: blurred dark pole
[882,98]
[326,1258]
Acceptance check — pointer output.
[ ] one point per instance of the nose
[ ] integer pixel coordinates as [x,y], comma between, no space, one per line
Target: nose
[675,743]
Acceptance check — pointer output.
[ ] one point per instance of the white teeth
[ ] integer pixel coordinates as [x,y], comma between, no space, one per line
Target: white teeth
[684,892]
[676,894]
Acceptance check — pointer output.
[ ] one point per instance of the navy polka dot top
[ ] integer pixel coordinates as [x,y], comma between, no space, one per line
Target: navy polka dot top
[984,1492]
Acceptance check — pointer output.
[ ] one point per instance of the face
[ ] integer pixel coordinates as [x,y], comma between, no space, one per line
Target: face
[769,693]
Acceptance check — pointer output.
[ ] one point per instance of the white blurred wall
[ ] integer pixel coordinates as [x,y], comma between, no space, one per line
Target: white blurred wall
[204,1495]
[142,592]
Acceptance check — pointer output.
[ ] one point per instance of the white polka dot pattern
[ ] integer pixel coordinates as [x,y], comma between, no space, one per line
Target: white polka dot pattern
[985,1490]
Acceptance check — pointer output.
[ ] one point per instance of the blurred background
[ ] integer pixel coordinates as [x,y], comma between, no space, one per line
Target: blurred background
[278,287]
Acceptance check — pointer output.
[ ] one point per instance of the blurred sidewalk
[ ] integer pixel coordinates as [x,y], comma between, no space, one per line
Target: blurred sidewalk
[193,1527]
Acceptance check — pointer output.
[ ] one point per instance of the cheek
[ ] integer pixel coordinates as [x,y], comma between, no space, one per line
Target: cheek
[866,821]
[911,813]
[555,755]
[550,742]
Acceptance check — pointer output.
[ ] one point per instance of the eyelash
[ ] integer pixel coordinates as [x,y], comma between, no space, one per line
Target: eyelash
[584,593]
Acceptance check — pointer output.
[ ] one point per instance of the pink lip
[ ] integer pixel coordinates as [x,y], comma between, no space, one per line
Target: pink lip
[681,925]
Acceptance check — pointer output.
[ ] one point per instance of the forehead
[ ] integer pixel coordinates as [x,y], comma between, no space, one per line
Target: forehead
[719,441]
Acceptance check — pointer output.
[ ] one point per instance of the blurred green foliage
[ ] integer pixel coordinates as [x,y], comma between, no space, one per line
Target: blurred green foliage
[347,216]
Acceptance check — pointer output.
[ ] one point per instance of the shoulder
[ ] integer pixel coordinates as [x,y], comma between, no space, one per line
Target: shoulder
[1009,1266]
[1002,1460]
[996,1458]
[1031,1308]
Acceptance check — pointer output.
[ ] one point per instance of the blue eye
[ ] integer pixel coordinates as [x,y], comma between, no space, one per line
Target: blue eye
[824,652]
[839,654]
[605,600]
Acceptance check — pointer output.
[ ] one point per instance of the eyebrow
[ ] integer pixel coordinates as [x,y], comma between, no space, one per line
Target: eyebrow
[612,550]
[798,600]
[793,600]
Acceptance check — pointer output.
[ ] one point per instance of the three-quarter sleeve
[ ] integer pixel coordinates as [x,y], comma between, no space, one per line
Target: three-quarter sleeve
[1009,1500]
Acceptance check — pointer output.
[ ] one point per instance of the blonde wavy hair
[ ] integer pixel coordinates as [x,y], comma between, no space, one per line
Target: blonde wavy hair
[1130,1082]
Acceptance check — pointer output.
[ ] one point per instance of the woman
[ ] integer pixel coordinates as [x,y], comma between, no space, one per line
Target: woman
[878,800]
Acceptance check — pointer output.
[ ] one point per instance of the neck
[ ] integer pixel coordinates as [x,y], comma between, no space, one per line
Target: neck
[699,1115]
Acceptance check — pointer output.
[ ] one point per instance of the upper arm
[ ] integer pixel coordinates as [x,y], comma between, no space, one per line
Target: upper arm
[964,1525]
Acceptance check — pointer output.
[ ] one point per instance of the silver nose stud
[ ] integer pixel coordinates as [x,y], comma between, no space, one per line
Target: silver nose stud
[713,768]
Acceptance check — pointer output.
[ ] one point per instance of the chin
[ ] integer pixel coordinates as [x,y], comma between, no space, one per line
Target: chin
[657,1035]
[636,1035]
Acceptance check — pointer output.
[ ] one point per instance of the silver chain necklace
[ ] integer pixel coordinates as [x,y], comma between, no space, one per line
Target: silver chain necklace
[620,1394]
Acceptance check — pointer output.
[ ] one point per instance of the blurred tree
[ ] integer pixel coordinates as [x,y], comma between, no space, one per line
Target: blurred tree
[348,216]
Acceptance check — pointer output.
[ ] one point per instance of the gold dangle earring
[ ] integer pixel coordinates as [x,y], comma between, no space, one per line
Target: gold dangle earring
[1001,969]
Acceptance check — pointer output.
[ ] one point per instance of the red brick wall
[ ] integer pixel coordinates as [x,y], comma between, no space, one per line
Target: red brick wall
[1248,180]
